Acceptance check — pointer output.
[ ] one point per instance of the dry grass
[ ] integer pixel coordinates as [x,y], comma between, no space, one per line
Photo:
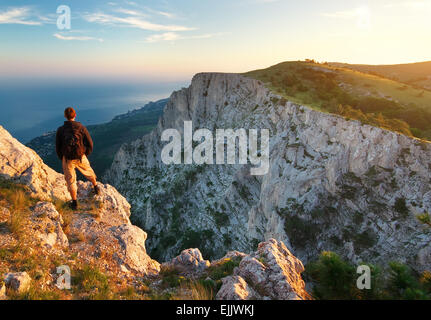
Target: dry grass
[19,214]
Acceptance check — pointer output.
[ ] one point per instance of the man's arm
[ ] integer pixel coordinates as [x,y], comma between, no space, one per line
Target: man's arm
[58,144]
[88,142]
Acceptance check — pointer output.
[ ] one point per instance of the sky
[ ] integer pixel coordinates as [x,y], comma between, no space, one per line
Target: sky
[171,40]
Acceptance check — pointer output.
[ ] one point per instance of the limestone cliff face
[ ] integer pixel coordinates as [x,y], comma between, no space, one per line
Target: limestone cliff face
[333,184]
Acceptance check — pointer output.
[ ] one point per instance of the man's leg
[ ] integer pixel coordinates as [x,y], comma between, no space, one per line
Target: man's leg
[70,177]
[85,168]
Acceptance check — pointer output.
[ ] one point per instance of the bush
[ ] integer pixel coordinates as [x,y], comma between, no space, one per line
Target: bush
[401,207]
[335,278]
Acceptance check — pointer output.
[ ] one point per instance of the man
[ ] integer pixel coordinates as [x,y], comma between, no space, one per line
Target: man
[73,145]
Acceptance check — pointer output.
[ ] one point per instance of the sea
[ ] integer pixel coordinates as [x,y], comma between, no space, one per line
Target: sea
[31,108]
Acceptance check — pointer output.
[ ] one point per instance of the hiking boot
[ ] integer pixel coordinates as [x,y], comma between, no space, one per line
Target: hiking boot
[96,189]
[74,205]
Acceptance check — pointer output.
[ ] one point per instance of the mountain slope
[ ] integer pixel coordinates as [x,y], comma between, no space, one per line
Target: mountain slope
[371,99]
[334,184]
[107,137]
[415,74]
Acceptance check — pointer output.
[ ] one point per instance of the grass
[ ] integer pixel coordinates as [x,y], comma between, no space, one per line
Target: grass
[91,281]
[355,95]
[16,197]
[223,269]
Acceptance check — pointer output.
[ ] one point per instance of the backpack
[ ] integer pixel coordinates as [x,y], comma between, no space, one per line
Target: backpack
[73,145]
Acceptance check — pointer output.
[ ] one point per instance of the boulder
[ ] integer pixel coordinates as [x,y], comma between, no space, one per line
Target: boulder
[190,262]
[236,288]
[19,281]
[115,210]
[274,271]
[21,164]
[47,226]
[133,254]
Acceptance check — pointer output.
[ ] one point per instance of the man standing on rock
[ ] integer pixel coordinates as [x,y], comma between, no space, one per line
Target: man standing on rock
[73,145]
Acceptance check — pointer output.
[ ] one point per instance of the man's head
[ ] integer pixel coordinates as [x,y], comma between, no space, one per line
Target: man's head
[69,113]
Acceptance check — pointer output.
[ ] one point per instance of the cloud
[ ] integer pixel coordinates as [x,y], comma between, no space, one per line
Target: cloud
[340,14]
[131,12]
[18,15]
[76,38]
[172,36]
[410,5]
[362,15]
[132,21]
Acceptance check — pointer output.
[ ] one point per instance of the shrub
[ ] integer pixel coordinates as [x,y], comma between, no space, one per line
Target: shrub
[424,218]
[401,207]
[334,277]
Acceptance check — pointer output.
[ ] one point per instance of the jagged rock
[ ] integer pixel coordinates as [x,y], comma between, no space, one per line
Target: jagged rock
[134,256]
[274,272]
[47,225]
[19,281]
[23,165]
[235,288]
[115,209]
[189,262]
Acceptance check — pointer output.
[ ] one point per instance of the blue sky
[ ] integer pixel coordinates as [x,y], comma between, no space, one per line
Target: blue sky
[172,40]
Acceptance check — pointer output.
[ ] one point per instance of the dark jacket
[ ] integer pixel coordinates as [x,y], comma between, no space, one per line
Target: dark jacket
[86,138]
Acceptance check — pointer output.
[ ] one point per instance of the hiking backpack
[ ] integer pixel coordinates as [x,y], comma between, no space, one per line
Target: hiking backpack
[73,148]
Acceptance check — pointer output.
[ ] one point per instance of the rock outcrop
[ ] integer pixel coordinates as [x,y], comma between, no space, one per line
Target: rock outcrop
[236,288]
[23,165]
[46,224]
[270,273]
[333,184]
[189,263]
[101,235]
[100,232]
[274,272]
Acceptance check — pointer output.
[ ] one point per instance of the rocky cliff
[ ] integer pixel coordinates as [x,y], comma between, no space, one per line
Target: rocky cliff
[105,253]
[333,184]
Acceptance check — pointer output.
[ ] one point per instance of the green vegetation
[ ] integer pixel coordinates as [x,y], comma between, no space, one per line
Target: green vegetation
[401,207]
[414,75]
[300,231]
[92,282]
[223,268]
[354,95]
[335,278]
[425,218]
